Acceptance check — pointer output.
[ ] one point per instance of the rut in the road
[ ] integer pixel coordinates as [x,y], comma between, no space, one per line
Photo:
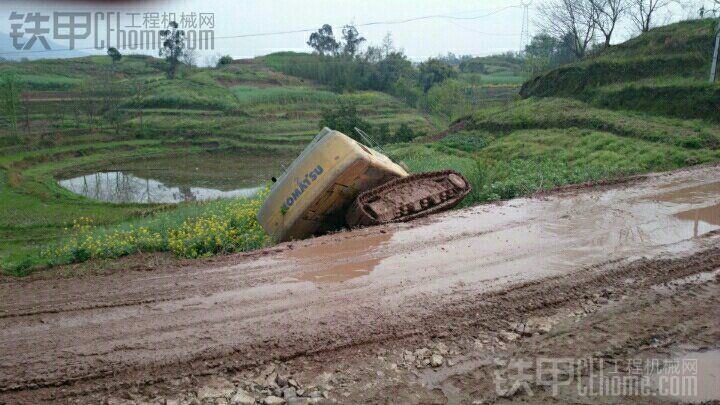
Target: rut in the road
[465,316]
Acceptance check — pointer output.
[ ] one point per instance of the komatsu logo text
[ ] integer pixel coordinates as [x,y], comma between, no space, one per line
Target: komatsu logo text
[301,187]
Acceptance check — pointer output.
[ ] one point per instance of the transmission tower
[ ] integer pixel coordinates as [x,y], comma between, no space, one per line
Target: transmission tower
[714,64]
[525,33]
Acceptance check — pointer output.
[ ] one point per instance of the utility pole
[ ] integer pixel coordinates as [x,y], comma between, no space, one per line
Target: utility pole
[713,66]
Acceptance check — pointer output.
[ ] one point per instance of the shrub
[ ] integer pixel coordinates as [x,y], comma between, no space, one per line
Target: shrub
[224,60]
[466,141]
[344,118]
[404,133]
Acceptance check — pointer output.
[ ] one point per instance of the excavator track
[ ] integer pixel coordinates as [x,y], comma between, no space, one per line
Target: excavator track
[407,198]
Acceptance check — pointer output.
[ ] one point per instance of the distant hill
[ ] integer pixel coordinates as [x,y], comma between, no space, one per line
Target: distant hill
[8,52]
[664,71]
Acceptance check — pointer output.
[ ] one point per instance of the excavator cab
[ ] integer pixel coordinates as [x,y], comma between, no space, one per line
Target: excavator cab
[314,193]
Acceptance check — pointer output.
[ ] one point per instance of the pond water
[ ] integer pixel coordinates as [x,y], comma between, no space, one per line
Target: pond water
[196,177]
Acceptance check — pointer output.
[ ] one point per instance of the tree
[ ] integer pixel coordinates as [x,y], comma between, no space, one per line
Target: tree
[566,50]
[387,45]
[138,101]
[211,60]
[190,57]
[642,12]
[390,69]
[545,52]
[606,14]
[110,91]
[10,93]
[224,60]
[541,51]
[404,133]
[434,71]
[114,54]
[353,40]
[345,118]
[574,17]
[382,136]
[323,41]
[173,44]
[373,54]
[86,100]
[472,65]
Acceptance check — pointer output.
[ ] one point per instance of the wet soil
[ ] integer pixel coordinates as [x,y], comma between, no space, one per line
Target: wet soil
[408,198]
[616,271]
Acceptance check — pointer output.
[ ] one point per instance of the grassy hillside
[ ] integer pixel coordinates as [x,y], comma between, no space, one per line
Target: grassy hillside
[86,114]
[498,69]
[537,144]
[641,106]
[663,72]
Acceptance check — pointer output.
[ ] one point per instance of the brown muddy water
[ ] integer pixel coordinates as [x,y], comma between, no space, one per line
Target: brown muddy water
[692,377]
[174,179]
[525,238]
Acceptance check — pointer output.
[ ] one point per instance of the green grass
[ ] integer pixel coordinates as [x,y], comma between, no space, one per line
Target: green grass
[282,95]
[47,82]
[565,113]
[36,210]
[679,97]
[523,162]
[662,72]
[193,93]
[190,230]
[506,78]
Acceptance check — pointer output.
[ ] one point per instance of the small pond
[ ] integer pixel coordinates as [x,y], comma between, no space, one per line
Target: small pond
[180,178]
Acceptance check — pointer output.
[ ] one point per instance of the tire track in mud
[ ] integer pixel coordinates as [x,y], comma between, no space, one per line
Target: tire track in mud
[21,314]
[491,311]
[75,297]
[246,310]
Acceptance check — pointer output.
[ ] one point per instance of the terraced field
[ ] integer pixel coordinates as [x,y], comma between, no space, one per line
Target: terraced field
[239,111]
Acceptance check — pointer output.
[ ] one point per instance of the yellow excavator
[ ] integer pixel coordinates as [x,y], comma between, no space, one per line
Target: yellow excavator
[339,182]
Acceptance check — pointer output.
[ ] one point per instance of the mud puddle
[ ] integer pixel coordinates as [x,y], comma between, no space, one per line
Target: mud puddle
[691,377]
[342,261]
[524,238]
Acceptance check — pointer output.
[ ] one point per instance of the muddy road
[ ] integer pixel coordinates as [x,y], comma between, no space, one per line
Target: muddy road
[421,312]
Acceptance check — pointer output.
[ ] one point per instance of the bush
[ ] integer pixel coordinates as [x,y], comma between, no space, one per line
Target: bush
[345,119]
[343,72]
[224,60]
[466,141]
[404,133]
[406,90]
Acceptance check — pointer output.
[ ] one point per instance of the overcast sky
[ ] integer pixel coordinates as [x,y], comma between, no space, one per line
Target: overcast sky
[478,27]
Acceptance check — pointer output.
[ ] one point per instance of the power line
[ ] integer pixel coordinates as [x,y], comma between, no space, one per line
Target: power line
[497,34]
[298,31]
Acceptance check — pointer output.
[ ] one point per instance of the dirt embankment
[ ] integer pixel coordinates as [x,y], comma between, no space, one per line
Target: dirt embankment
[418,312]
